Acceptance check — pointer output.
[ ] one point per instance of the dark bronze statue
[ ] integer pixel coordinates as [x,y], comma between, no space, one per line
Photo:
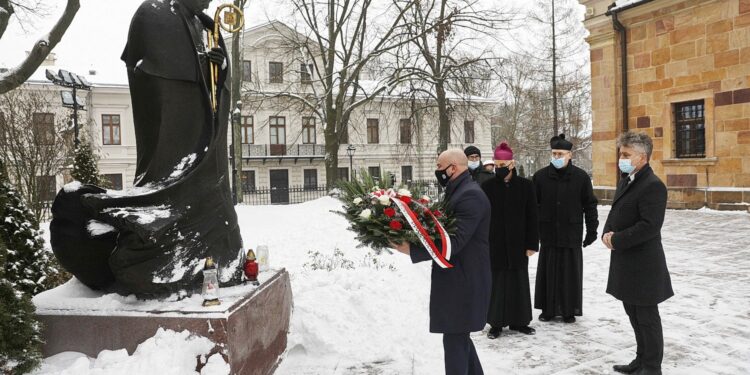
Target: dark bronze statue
[152,239]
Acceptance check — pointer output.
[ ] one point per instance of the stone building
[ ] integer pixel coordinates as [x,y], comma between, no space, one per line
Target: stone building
[283,142]
[678,70]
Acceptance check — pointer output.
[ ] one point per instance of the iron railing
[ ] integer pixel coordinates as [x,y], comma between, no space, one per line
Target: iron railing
[281,195]
[252,151]
[301,193]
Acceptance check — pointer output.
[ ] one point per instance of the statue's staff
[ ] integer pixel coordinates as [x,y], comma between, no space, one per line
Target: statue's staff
[235,17]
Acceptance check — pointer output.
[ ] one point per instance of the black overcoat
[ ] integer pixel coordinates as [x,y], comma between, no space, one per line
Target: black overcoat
[514,227]
[638,273]
[564,200]
[460,296]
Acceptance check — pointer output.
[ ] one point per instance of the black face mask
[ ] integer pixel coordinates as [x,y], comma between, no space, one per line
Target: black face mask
[442,176]
[502,172]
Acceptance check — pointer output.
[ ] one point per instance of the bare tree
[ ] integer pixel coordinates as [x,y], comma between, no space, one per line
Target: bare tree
[18,75]
[333,44]
[35,142]
[561,49]
[447,64]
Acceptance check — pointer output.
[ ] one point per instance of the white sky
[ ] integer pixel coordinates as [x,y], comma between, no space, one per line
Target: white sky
[98,33]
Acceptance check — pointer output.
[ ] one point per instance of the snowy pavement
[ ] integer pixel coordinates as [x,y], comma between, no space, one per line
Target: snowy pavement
[368,321]
[371,315]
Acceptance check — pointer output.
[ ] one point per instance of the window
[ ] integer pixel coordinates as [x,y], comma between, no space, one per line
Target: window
[111,129]
[247,71]
[343,173]
[311,179]
[405,130]
[248,181]
[247,130]
[44,128]
[308,130]
[277,125]
[275,72]
[46,188]
[469,131]
[374,172]
[406,173]
[305,72]
[373,135]
[690,129]
[114,180]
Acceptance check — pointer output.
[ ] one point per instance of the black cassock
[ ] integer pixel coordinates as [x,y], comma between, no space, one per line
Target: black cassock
[565,198]
[181,208]
[513,230]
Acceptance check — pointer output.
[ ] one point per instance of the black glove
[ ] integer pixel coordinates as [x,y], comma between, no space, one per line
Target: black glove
[216,56]
[590,238]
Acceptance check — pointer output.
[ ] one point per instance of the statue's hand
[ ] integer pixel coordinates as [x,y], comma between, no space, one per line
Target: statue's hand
[216,56]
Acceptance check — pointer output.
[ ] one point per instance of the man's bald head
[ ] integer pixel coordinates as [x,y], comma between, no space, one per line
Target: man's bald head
[454,158]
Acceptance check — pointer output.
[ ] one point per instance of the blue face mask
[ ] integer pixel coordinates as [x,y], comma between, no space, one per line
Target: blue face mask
[626,166]
[558,163]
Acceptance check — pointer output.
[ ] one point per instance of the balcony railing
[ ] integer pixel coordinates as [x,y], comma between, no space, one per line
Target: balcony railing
[252,151]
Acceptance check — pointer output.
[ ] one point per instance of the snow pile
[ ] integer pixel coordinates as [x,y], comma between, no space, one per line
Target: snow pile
[72,186]
[183,165]
[74,298]
[97,228]
[166,353]
[142,215]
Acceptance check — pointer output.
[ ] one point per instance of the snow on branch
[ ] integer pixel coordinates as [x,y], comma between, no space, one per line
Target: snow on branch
[18,75]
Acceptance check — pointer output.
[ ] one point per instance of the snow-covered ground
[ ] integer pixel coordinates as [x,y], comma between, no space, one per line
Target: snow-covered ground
[370,316]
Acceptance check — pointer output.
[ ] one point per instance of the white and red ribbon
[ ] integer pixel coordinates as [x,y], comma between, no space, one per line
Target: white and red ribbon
[441,258]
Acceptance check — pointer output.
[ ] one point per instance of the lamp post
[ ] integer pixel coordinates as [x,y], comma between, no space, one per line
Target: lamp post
[236,115]
[350,152]
[65,78]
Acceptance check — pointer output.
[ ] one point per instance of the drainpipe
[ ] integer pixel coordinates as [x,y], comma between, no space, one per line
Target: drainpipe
[612,11]
[623,63]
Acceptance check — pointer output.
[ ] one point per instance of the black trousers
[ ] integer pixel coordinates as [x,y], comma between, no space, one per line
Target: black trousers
[646,324]
[460,355]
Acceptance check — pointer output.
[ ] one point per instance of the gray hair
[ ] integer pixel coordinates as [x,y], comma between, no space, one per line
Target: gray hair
[640,141]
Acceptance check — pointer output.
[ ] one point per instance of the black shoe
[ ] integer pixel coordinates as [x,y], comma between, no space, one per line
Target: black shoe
[494,333]
[526,330]
[545,318]
[630,368]
[569,319]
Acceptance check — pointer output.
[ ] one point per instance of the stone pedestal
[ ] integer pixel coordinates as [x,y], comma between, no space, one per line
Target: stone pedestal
[250,326]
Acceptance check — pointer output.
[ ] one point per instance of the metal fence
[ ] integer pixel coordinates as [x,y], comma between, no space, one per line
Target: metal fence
[280,195]
[301,194]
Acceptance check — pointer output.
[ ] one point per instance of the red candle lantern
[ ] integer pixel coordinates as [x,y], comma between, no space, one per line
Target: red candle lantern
[251,267]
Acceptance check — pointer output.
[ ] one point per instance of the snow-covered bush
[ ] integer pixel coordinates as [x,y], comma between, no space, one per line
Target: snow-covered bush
[85,169]
[28,266]
[329,263]
[20,336]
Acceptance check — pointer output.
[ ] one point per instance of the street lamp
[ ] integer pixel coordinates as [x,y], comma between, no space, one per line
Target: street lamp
[236,115]
[65,78]
[350,151]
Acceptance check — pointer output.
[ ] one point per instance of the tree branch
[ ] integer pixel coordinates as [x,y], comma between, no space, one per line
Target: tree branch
[18,75]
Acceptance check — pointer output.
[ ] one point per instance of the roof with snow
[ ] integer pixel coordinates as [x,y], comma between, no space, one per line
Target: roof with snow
[622,4]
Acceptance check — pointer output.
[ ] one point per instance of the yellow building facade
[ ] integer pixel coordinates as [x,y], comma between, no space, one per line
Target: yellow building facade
[686,83]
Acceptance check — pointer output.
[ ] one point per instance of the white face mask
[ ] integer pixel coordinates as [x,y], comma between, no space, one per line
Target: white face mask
[474,164]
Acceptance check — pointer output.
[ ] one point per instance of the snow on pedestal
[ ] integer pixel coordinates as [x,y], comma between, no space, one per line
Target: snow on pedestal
[249,327]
